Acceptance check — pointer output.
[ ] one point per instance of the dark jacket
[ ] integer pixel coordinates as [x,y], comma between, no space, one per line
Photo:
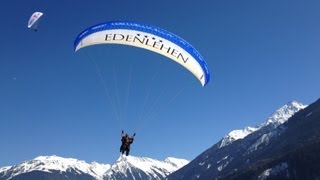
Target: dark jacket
[126,139]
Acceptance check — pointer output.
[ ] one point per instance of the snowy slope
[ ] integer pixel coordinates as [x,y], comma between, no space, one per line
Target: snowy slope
[143,168]
[134,167]
[51,164]
[4,169]
[278,117]
[277,169]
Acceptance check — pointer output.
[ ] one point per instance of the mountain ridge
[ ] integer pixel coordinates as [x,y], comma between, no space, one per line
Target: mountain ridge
[70,168]
[276,118]
[231,153]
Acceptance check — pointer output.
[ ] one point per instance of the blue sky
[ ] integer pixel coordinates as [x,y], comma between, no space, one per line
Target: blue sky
[261,54]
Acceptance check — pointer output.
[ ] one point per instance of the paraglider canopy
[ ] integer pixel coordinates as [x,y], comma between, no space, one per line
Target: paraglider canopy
[147,37]
[34,20]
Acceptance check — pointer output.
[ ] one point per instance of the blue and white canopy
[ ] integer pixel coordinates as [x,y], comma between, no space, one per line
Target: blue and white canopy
[148,37]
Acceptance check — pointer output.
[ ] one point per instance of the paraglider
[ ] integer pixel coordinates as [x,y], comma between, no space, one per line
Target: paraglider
[34,20]
[148,37]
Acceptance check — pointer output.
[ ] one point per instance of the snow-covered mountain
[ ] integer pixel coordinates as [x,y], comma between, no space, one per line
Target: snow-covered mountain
[143,168]
[54,167]
[241,148]
[278,117]
[52,164]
